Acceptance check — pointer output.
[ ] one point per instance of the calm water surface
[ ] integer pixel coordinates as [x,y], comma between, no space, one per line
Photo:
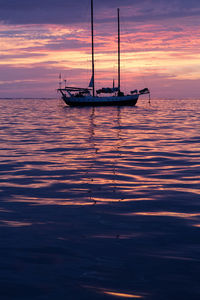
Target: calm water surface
[99,203]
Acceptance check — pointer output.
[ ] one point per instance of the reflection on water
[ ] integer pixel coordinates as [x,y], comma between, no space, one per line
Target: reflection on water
[122,295]
[14,223]
[105,197]
[167,213]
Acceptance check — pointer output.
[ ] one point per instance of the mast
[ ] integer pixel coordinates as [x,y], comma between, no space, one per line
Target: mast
[92,35]
[118,18]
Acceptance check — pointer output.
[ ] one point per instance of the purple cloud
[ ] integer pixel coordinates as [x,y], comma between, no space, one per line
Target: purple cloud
[65,12]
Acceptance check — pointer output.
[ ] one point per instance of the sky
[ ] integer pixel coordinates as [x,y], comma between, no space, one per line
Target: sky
[160,44]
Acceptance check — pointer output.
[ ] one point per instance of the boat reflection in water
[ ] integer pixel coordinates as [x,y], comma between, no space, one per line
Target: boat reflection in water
[103,169]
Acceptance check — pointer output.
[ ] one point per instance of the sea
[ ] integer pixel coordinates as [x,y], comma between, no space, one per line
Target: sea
[99,203]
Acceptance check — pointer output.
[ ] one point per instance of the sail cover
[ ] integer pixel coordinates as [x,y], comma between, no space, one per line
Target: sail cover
[107,90]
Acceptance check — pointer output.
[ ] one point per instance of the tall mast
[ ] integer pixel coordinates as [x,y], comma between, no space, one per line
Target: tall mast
[92,34]
[118,50]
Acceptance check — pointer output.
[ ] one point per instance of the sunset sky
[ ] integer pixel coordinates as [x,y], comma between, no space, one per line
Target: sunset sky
[160,43]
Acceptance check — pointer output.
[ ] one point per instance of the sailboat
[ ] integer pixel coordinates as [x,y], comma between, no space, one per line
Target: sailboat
[76,96]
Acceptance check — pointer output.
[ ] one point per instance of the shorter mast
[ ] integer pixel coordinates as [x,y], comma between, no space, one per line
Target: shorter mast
[119,85]
[92,35]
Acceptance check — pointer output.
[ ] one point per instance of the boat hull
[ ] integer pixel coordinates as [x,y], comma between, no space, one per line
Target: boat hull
[101,101]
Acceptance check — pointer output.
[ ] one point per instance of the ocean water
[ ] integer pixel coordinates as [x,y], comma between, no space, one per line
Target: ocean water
[99,203]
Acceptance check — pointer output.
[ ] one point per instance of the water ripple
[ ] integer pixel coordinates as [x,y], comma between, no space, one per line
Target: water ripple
[99,202]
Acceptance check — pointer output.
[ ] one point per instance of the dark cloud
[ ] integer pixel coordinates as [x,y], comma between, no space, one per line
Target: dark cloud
[24,55]
[71,44]
[63,12]
[67,44]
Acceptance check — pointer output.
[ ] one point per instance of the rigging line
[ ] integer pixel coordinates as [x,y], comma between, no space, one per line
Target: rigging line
[123,55]
[130,40]
[82,25]
[87,22]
